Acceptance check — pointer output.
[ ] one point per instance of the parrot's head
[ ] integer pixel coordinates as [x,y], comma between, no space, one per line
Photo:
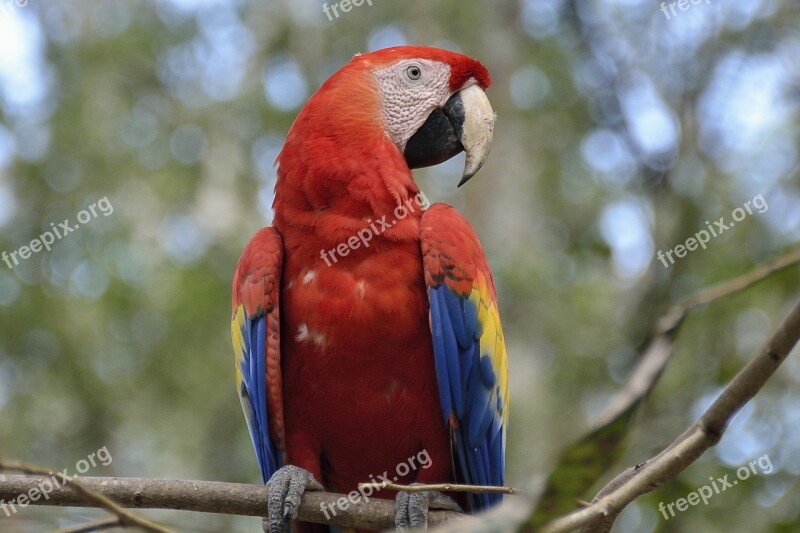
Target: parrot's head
[427,102]
[433,105]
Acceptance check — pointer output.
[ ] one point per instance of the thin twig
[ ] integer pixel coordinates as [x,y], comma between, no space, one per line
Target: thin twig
[447,487]
[742,282]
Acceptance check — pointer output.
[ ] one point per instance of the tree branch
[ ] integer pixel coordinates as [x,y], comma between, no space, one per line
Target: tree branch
[51,475]
[214,497]
[703,434]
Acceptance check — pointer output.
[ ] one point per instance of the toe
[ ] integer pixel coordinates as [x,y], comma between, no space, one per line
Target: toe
[277,490]
[411,508]
[418,509]
[294,494]
[401,521]
[286,488]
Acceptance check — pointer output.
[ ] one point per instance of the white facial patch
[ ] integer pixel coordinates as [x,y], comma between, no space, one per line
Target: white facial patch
[410,90]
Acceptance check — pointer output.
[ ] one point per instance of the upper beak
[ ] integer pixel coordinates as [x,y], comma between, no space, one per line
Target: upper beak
[465,123]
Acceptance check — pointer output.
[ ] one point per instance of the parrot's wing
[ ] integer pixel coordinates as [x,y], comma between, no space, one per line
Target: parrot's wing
[255,329]
[468,347]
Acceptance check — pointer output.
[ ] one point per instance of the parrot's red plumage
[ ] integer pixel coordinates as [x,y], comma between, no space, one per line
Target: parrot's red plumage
[354,359]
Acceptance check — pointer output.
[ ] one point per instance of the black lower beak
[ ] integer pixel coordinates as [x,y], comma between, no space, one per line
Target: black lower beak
[464,124]
[439,138]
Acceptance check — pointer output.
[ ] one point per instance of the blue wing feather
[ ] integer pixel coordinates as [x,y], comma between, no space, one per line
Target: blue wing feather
[453,354]
[468,389]
[440,356]
[455,311]
[253,391]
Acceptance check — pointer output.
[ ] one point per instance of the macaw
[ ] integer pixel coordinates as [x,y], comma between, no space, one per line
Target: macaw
[354,355]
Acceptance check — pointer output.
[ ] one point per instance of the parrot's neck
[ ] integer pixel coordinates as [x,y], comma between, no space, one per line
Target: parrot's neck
[334,195]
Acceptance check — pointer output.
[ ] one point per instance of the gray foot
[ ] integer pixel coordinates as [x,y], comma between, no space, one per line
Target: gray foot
[411,508]
[286,488]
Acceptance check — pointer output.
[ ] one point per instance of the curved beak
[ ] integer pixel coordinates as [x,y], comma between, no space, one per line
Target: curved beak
[465,123]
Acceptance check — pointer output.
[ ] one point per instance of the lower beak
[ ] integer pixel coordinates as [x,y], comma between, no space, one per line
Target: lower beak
[465,123]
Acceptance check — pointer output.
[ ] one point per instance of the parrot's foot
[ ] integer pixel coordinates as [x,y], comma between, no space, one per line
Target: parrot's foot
[411,508]
[286,488]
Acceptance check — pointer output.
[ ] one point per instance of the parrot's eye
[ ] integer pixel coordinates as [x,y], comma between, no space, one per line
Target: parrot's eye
[414,73]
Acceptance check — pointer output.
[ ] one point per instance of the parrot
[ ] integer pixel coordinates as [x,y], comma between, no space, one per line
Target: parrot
[365,320]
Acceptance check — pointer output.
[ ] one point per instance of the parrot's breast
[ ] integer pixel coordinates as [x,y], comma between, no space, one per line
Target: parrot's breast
[360,390]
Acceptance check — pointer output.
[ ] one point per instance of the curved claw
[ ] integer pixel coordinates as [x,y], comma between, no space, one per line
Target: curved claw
[411,508]
[286,488]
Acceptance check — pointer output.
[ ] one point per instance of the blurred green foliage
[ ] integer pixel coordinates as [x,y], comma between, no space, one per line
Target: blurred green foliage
[620,133]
